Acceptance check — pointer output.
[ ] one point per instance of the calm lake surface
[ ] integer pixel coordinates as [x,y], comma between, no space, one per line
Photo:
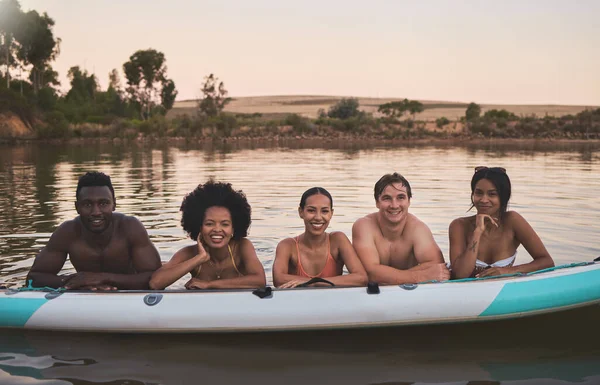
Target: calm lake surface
[555,187]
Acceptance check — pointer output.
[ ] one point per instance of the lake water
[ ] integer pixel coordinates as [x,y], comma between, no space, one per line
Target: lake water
[555,187]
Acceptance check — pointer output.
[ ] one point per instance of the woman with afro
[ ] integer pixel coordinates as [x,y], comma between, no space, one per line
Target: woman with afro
[217,217]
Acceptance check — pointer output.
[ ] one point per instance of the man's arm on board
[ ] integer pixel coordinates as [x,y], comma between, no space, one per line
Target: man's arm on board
[51,259]
[428,255]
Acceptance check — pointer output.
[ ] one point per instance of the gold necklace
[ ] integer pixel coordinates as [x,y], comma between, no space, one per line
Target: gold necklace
[210,262]
[218,274]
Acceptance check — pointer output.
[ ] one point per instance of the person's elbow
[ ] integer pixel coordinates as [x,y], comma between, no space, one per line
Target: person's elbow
[260,280]
[155,283]
[372,274]
[362,279]
[548,262]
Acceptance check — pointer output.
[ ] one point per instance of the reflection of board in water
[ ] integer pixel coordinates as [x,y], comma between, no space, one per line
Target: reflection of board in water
[510,350]
[304,309]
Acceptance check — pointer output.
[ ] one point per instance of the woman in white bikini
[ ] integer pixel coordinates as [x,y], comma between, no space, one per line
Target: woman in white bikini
[217,217]
[486,244]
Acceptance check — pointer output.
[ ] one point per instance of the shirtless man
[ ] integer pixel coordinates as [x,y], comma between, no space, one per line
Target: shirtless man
[109,250]
[394,246]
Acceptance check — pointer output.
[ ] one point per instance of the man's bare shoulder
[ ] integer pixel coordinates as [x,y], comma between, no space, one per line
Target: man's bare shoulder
[130,224]
[68,228]
[368,222]
[416,226]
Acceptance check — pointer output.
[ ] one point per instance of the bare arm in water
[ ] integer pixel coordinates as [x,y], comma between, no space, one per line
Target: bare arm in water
[51,259]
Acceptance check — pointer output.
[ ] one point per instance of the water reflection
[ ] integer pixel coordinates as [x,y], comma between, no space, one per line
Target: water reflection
[525,351]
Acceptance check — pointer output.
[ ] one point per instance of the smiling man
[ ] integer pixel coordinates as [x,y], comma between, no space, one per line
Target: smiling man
[394,246]
[109,250]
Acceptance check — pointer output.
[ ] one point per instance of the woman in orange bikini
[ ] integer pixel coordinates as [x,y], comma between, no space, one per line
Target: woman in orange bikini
[217,217]
[315,253]
[486,244]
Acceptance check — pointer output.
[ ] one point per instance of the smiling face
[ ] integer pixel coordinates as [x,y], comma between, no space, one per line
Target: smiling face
[95,206]
[485,198]
[217,227]
[317,213]
[393,203]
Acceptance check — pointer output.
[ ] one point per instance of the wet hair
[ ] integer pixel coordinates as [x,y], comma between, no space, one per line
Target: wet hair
[389,179]
[95,179]
[314,191]
[499,179]
[194,206]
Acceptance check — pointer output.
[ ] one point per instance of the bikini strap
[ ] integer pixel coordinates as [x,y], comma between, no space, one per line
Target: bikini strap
[233,260]
[300,268]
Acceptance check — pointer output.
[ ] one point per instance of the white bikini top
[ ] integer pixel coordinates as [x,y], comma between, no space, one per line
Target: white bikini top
[501,263]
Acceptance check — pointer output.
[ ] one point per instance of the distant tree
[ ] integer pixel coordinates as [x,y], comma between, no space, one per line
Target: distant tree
[48,77]
[10,17]
[414,107]
[441,122]
[214,97]
[393,109]
[499,114]
[37,45]
[146,78]
[83,85]
[344,109]
[168,94]
[398,108]
[473,111]
[114,81]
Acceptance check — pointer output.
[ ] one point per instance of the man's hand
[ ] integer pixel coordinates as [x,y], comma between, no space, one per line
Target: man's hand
[86,280]
[433,271]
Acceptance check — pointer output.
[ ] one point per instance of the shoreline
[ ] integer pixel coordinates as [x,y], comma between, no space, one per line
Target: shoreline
[455,140]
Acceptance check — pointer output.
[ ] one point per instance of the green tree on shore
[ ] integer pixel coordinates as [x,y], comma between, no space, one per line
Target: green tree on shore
[147,83]
[37,46]
[10,15]
[473,111]
[344,109]
[214,97]
[398,108]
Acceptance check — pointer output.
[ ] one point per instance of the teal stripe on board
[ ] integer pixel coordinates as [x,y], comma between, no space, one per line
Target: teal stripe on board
[15,311]
[547,293]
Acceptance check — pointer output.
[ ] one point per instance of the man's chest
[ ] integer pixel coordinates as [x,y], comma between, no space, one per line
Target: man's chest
[397,253]
[113,257]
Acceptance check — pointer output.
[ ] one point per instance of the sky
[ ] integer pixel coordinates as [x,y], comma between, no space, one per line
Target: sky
[501,52]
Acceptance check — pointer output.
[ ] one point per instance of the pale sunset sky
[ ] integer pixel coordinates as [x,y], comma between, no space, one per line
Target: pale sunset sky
[507,52]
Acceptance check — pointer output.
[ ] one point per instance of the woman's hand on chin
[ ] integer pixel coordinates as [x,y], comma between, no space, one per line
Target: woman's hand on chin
[480,221]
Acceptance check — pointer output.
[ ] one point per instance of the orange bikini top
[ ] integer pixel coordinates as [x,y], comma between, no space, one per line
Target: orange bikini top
[330,269]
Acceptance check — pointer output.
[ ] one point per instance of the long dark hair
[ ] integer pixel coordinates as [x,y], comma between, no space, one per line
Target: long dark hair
[500,180]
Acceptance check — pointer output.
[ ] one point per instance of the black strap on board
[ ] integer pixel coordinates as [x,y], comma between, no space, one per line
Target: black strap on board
[263,292]
[372,288]
[315,280]
[597,259]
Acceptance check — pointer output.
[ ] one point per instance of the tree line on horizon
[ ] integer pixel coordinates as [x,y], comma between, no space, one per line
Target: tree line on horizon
[28,45]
